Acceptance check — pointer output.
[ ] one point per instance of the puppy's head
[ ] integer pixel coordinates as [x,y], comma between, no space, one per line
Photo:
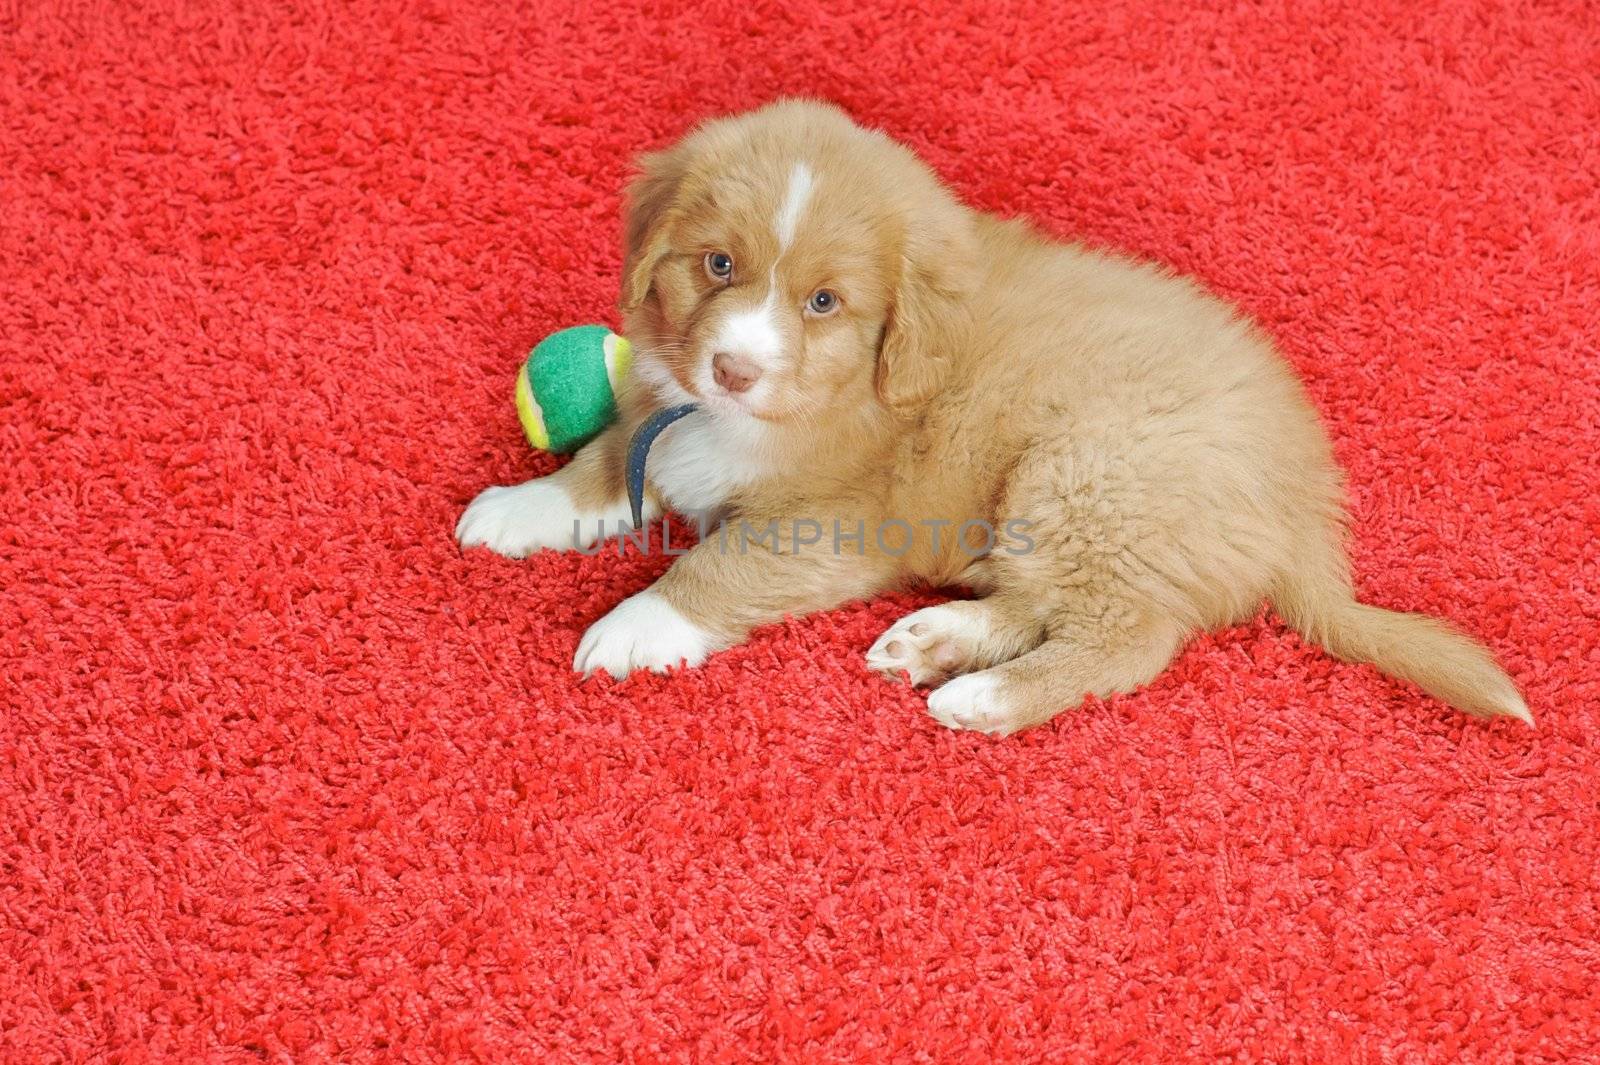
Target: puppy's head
[790,266]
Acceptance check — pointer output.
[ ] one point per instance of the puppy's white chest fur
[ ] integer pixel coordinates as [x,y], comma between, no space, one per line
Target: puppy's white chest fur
[703,459]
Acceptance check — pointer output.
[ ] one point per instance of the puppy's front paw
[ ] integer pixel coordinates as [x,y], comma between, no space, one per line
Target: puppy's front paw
[518,520]
[643,632]
[927,644]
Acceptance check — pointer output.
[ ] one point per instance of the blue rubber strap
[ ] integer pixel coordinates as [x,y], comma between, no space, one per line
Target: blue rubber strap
[639,450]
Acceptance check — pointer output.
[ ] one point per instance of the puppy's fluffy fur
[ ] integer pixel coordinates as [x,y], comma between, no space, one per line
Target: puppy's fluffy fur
[1163,461]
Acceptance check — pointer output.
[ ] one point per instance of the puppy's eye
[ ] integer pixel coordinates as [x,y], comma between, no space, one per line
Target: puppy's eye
[719,264]
[822,302]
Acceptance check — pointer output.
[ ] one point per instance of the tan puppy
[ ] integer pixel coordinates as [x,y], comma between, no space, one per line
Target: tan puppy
[1110,456]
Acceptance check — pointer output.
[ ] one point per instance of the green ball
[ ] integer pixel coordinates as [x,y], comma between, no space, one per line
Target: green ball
[566,391]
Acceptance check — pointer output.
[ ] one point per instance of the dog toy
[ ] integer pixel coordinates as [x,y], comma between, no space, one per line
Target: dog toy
[567,390]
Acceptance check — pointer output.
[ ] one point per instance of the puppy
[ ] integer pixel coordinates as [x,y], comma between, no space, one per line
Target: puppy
[1112,458]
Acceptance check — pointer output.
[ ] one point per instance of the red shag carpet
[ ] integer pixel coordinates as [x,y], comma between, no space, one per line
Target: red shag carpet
[285,777]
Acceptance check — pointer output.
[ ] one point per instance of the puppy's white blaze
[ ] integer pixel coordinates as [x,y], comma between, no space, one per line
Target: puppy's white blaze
[753,334]
[795,197]
[643,632]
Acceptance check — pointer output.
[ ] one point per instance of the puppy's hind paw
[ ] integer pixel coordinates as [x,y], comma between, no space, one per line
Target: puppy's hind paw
[973,703]
[927,645]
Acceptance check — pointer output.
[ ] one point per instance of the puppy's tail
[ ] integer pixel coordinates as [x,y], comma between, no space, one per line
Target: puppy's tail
[1319,602]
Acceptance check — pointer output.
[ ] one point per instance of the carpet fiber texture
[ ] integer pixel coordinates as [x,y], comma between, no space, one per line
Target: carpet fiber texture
[286,777]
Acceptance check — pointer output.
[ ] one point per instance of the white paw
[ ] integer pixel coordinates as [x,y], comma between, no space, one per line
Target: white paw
[972,702]
[643,632]
[518,520]
[928,644]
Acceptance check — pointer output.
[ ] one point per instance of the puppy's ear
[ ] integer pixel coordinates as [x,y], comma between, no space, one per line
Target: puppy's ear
[929,316]
[651,200]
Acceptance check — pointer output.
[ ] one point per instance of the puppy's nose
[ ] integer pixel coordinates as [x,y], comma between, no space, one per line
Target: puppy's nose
[734,372]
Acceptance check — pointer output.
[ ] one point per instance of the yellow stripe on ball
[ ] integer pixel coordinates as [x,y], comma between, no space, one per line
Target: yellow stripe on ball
[530,414]
[619,356]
